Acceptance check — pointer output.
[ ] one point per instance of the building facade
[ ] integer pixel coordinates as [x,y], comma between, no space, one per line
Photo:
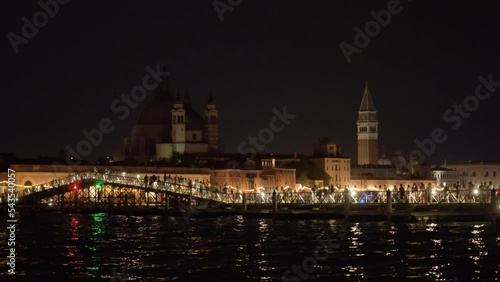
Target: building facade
[328,158]
[249,178]
[337,168]
[273,176]
[385,176]
[476,172]
[236,178]
[447,176]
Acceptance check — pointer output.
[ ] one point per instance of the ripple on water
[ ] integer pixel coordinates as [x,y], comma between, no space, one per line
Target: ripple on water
[162,247]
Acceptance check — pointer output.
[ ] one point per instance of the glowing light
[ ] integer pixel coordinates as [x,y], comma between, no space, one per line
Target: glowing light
[476,191]
[353,193]
[99,184]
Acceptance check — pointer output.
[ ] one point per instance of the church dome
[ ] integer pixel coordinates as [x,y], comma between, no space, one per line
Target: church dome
[399,162]
[194,121]
[157,111]
[384,161]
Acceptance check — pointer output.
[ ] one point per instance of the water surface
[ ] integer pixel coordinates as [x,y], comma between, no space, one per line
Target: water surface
[104,247]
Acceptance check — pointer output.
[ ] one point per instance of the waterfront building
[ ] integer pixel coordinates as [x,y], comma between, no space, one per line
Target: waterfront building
[327,157]
[275,176]
[271,174]
[237,178]
[476,172]
[447,177]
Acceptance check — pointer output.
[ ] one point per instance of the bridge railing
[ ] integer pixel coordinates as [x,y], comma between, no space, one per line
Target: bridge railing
[46,186]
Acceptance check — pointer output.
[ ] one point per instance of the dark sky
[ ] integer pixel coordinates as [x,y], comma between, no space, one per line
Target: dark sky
[264,55]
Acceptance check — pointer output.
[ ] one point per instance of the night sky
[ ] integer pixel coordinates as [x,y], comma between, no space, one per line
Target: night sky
[263,55]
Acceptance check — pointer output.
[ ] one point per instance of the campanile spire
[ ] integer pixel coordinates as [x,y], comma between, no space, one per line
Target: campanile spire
[367,130]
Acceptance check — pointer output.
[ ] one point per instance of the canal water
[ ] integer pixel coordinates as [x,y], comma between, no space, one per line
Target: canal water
[102,247]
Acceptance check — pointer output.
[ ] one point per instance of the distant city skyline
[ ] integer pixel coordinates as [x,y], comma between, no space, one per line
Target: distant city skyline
[261,56]
[250,140]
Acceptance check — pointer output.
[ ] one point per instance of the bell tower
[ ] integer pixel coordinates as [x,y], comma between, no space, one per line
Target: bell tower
[178,122]
[211,126]
[367,130]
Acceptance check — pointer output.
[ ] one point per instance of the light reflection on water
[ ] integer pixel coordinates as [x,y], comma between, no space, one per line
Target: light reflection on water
[163,248]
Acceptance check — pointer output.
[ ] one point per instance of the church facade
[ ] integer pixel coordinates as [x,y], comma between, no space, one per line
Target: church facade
[169,125]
